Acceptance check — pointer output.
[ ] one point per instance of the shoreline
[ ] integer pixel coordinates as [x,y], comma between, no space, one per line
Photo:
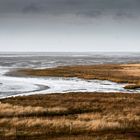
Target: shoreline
[119,73]
[83,72]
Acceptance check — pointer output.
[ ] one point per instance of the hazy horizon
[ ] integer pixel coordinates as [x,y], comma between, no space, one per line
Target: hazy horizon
[99,51]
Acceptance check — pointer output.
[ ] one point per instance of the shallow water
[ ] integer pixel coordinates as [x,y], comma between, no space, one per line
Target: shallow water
[13,86]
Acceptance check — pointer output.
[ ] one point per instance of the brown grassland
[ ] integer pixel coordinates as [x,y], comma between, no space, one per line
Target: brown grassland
[71,116]
[75,116]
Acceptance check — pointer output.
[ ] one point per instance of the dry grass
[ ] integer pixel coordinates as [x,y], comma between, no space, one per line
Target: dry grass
[131,69]
[8,110]
[89,115]
[61,126]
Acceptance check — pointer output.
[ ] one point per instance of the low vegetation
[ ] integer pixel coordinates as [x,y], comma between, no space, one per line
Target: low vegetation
[74,116]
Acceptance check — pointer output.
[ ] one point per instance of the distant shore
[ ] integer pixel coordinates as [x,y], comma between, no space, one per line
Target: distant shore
[120,73]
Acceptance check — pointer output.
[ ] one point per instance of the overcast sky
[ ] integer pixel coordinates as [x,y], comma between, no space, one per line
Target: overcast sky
[69,25]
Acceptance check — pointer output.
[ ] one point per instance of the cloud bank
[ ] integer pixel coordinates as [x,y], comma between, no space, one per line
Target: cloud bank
[89,8]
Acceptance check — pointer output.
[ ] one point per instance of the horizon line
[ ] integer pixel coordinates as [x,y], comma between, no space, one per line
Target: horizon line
[69,51]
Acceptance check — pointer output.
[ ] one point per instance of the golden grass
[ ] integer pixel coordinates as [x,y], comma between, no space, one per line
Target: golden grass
[7,110]
[131,69]
[103,115]
[61,125]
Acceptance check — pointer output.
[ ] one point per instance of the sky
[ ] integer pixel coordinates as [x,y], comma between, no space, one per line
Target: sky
[69,25]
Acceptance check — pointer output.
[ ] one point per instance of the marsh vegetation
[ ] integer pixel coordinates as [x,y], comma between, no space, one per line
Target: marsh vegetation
[72,115]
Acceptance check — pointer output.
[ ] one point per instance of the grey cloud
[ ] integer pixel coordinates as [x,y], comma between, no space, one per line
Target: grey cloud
[91,8]
[32,8]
